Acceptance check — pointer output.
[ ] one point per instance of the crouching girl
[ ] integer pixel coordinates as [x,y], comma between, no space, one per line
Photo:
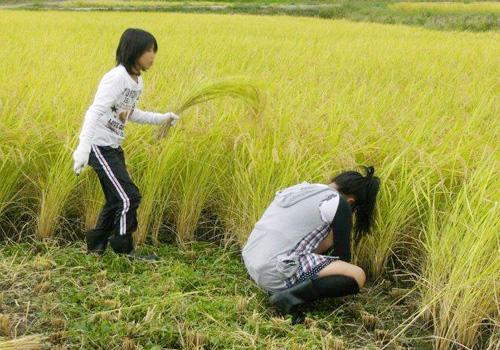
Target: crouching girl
[283,254]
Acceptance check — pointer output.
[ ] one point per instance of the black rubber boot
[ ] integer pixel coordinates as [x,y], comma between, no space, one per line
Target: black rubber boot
[315,288]
[336,286]
[97,241]
[286,301]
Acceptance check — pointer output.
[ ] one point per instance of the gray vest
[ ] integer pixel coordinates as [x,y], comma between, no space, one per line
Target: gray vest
[293,214]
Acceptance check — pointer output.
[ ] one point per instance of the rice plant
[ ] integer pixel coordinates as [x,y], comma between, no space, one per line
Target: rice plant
[235,88]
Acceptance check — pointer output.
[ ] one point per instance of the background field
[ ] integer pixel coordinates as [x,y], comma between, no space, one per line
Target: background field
[463,15]
[420,105]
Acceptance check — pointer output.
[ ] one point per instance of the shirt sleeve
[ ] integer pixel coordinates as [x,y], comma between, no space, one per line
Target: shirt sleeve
[143,117]
[109,89]
[328,206]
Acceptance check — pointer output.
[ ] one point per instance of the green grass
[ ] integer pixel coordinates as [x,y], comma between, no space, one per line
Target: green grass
[79,301]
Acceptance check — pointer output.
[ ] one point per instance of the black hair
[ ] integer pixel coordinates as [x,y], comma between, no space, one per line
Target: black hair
[364,189]
[133,43]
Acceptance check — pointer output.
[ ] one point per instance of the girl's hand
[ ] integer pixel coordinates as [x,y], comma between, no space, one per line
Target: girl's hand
[81,160]
[172,118]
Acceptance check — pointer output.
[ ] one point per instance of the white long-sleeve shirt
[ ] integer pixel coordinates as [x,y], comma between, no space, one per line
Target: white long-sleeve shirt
[115,104]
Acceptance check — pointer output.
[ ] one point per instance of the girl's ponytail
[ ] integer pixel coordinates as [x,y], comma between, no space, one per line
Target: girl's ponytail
[364,189]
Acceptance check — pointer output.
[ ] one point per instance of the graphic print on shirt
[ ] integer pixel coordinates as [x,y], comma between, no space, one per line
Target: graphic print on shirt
[115,127]
[122,110]
[126,105]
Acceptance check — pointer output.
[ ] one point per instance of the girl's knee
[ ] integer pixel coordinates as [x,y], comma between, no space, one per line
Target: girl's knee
[134,195]
[359,275]
[340,267]
[135,200]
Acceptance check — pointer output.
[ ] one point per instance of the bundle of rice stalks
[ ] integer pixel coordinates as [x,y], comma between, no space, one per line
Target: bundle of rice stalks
[30,342]
[235,88]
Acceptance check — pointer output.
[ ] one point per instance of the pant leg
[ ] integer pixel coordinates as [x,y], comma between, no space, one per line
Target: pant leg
[106,220]
[110,163]
[97,238]
[133,192]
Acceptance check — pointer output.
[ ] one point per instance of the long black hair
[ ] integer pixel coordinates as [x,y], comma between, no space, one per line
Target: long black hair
[133,43]
[364,189]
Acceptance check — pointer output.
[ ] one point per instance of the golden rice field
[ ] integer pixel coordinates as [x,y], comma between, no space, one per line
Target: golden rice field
[422,106]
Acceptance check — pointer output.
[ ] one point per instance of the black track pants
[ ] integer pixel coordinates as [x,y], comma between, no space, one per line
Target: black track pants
[119,213]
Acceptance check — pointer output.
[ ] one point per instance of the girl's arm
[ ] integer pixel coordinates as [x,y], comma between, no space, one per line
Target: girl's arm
[109,89]
[143,117]
[341,224]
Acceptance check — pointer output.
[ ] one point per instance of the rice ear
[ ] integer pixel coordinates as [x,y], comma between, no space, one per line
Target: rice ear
[236,88]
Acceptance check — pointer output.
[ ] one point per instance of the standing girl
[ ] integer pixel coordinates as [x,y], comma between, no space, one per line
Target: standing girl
[102,135]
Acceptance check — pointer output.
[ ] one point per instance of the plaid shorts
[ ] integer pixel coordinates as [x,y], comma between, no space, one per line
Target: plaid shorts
[310,263]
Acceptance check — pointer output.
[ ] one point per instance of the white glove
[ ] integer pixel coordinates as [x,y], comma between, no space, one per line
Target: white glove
[173,116]
[81,160]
